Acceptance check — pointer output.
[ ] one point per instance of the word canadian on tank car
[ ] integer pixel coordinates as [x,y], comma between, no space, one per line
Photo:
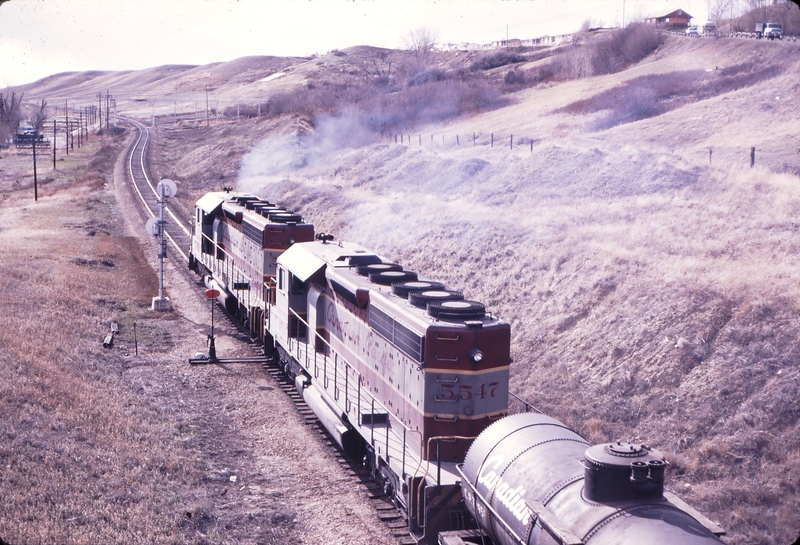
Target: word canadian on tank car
[413,379]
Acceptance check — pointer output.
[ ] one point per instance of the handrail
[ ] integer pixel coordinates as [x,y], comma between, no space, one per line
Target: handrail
[347,366]
[232,270]
[525,403]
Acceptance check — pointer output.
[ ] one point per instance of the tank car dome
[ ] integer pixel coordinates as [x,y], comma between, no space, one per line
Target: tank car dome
[623,471]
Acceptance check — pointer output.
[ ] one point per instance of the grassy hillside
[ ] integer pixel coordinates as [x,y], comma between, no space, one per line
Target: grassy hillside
[652,295]
[649,273]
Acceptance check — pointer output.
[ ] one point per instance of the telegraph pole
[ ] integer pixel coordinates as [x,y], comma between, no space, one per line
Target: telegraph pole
[107,107]
[55,124]
[35,181]
[66,128]
[207,123]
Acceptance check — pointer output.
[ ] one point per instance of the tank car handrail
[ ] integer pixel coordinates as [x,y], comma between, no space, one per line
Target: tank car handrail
[527,404]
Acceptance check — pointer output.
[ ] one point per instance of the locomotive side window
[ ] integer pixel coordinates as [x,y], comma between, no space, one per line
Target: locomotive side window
[280,278]
[298,286]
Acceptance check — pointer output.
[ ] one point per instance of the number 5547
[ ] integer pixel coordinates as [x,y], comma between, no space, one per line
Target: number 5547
[464,392]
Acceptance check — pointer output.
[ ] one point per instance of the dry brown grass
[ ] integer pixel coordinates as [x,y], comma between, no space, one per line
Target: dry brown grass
[651,295]
[82,456]
[107,446]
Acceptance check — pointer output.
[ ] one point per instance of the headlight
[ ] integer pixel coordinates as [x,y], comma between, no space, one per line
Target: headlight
[476,355]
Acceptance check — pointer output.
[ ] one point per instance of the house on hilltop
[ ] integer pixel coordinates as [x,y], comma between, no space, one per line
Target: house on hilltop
[674,20]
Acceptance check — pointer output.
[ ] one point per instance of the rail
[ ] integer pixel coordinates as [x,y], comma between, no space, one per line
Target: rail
[136,166]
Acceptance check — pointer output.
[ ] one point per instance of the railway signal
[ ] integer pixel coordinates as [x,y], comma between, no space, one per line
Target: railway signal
[212,294]
[165,190]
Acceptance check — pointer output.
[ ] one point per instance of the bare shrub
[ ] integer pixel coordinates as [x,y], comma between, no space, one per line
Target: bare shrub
[576,62]
[432,101]
[514,77]
[624,47]
[434,74]
[496,60]
[606,55]
[243,110]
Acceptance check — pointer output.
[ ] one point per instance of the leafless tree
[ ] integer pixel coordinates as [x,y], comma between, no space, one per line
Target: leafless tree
[39,116]
[10,116]
[580,36]
[421,42]
[719,10]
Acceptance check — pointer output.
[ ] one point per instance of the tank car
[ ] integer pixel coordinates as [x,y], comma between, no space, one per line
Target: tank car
[529,479]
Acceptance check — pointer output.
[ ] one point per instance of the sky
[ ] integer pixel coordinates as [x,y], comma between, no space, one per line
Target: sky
[43,37]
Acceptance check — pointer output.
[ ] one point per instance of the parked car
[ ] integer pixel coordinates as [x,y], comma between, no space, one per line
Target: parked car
[710,26]
[773,31]
[692,31]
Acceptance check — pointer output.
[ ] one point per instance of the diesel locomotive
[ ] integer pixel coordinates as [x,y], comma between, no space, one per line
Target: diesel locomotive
[412,378]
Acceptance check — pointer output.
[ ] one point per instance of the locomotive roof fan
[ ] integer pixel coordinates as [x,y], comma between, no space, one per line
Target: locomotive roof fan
[366,270]
[388,278]
[456,311]
[402,289]
[421,299]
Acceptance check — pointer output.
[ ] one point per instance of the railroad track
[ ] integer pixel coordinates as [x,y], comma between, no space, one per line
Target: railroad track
[177,227]
[179,236]
[387,512]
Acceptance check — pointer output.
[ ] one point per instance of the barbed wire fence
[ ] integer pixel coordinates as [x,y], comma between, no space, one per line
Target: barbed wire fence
[491,140]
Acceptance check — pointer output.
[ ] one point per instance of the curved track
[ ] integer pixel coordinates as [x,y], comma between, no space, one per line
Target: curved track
[176,230]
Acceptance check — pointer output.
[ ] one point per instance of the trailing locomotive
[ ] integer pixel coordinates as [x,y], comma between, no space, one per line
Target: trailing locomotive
[413,379]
